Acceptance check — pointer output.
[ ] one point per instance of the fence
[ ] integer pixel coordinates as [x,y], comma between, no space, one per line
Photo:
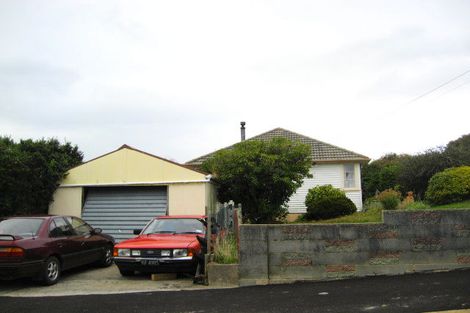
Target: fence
[406,242]
[223,221]
[227,218]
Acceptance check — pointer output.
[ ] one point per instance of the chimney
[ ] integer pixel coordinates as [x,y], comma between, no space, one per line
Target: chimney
[242,130]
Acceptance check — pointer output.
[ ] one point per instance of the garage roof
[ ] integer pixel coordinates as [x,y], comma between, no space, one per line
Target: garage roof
[130,166]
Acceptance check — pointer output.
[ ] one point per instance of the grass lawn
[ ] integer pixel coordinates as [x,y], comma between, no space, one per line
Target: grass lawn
[457,205]
[369,216]
[374,215]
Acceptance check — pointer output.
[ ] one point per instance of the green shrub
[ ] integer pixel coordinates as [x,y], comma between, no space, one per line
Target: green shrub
[225,250]
[301,218]
[324,202]
[416,205]
[390,199]
[450,185]
[372,204]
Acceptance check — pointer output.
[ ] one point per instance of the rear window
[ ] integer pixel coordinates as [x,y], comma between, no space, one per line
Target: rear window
[24,227]
[175,226]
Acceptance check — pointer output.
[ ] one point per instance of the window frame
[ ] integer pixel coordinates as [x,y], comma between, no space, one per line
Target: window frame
[70,220]
[67,225]
[349,183]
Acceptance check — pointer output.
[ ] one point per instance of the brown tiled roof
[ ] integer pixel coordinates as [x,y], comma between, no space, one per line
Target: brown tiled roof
[321,151]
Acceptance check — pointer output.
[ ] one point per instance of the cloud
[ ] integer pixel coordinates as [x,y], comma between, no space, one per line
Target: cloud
[175,78]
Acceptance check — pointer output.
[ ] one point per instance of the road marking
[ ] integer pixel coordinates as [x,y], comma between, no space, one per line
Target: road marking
[451,311]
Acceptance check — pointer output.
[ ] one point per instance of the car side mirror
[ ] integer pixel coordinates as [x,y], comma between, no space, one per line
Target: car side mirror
[96,231]
[137,231]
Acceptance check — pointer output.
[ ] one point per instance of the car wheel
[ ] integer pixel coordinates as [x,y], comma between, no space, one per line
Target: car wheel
[51,271]
[126,272]
[107,259]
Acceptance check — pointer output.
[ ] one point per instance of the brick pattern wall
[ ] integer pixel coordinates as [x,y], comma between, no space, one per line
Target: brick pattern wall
[406,242]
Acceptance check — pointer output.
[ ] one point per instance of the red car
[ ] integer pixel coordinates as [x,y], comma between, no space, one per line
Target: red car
[42,247]
[168,244]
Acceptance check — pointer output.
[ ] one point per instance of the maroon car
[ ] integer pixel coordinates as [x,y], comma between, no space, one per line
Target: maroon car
[44,246]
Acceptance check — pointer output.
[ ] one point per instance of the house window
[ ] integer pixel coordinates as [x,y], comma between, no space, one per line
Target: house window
[349,178]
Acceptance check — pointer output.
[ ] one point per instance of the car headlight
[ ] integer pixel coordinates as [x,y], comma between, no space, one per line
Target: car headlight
[124,252]
[177,253]
[135,252]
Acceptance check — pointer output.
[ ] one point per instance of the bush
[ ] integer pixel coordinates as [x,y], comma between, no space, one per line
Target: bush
[324,202]
[389,198]
[416,205]
[372,204]
[450,185]
[407,201]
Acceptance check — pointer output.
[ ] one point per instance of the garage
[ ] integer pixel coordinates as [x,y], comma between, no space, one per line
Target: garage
[120,210]
[122,190]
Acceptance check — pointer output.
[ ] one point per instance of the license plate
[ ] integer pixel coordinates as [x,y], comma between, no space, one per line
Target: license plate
[149,262]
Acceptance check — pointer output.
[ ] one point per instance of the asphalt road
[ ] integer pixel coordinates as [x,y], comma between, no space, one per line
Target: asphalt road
[409,293]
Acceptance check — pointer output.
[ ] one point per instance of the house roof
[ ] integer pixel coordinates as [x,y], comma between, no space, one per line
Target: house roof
[320,151]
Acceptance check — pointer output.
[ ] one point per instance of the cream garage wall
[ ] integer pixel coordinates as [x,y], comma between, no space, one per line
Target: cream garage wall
[211,198]
[67,201]
[187,199]
[129,166]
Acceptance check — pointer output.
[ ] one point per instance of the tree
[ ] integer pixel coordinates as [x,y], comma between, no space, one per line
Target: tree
[261,175]
[418,169]
[382,174]
[30,172]
[458,151]
[412,172]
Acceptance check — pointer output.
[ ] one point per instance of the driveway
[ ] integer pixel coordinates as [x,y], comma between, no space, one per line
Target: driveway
[94,281]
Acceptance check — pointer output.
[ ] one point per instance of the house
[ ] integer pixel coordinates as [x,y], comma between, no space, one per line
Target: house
[122,190]
[331,165]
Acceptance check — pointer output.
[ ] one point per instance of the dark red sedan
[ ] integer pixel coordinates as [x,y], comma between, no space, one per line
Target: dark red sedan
[44,246]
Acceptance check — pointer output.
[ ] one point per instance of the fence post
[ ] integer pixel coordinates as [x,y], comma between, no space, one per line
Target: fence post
[209,232]
[236,231]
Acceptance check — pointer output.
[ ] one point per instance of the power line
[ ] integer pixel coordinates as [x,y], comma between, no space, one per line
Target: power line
[438,87]
[452,89]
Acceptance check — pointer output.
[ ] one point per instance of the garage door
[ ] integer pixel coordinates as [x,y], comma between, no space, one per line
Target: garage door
[118,211]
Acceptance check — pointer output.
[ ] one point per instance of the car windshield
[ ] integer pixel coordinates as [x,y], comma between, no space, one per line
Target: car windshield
[175,226]
[24,227]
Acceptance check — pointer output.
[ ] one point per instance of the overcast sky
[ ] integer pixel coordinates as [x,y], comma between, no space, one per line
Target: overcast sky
[175,78]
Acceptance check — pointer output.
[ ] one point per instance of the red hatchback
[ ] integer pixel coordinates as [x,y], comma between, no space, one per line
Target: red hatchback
[168,244]
[42,247]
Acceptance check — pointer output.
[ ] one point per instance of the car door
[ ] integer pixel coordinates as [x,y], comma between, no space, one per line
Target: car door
[64,242]
[80,239]
[92,244]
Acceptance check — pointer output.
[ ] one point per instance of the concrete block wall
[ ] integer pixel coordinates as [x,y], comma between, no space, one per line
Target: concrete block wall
[406,242]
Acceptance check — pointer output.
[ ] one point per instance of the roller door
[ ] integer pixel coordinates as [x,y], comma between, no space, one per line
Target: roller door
[118,211]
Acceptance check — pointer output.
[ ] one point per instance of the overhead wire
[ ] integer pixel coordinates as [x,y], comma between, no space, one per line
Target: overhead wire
[438,87]
[401,106]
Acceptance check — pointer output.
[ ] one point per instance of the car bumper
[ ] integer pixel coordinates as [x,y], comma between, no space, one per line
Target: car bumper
[157,265]
[10,271]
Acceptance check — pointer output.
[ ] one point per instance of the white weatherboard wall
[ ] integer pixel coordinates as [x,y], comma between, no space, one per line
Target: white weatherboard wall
[327,174]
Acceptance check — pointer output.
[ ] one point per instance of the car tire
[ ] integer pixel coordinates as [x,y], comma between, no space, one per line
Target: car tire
[126,272]
[51,271]
[107,259]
